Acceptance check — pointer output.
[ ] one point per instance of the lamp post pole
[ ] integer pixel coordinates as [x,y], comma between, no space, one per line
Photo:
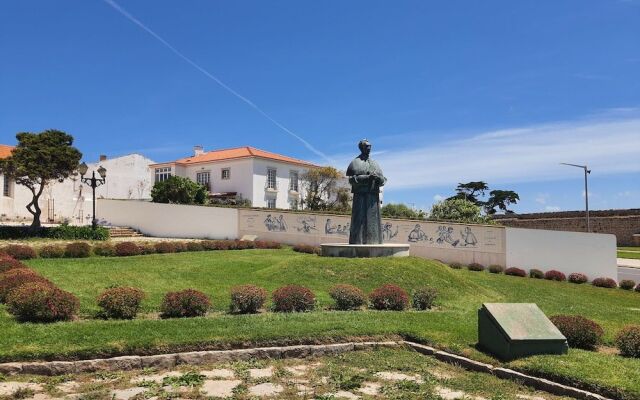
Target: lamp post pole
[587,171]
[93,182]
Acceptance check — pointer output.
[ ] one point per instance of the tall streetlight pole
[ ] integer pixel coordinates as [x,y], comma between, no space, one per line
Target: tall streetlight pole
[94,183]
[587,171]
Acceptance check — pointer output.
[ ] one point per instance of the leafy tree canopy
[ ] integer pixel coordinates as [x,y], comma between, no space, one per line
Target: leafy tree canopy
[322,191]
[400,210]
[500,199]
[473,191]
[178,190]
[470,191]
[459,210]
[37,160]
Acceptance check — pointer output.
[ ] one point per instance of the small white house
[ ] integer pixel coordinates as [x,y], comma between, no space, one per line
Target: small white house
[266,179]
[71,200]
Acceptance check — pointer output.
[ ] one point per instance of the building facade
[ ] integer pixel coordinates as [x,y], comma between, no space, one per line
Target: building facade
[267,179]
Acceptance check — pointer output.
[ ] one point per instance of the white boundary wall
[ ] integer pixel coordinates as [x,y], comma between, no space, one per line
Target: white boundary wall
[593,254]
[170,220]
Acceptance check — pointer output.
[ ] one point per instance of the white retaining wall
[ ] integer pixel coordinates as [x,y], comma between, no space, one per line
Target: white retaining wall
[170,220]
[593,254]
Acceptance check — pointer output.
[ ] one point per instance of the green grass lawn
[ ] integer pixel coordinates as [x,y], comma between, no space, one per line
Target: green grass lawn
[629,254]
[453,325]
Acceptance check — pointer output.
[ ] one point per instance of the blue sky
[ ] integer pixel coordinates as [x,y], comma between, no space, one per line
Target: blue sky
[446,91]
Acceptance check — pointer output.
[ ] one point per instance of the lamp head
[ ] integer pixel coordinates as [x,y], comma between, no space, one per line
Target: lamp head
[102,171]
[83,168]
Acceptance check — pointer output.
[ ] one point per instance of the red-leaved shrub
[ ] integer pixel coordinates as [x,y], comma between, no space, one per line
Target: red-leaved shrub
[513,271]
[194,246]
[578,278]
[554,275]
[17,277]
[475,267]
[293,298]
[216,244]
[120,302]
[247,299]
[628,341]
[267,244]
[245,244]
[347,297]
[185,303]
[20,251]
[165,247]
[306,248]
[104,250]
[51,251]
[496,269]
[147,248]
[627,284]
[605,283]
[8,263]
[389,297]
[580,332]
[536,274]
[455,265]
[125,249]
[77,250]
[180,246]
[41,302]
[637,289]
[423,298]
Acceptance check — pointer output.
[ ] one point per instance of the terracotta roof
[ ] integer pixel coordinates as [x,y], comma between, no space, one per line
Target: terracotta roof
[238,152]
[5,150]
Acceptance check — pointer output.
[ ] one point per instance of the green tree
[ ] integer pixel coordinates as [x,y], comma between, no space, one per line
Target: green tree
[471,191]
[178,190]
[400,210]
[37,160]
[459,210]
[500,199]
[322,191]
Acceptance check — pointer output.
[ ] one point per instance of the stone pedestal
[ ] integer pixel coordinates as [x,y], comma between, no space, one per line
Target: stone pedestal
[364,250]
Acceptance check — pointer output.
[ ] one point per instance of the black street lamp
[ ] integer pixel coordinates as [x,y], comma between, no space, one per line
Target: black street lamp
[94,183]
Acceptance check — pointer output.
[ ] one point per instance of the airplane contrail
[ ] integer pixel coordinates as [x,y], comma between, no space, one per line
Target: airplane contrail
[209,75]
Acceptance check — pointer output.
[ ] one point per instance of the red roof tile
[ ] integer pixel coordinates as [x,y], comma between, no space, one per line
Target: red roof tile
[5,150]
[238,152]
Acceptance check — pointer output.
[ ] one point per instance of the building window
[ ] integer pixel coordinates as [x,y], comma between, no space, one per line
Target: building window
[204,178]
[293,181]
[226,173]
[271,178]
[162,174]
[293,204]
[6,187]
[271,203]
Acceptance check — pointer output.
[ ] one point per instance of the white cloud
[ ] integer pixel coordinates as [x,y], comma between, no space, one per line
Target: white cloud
[438,197]
[552,208]
[608,144]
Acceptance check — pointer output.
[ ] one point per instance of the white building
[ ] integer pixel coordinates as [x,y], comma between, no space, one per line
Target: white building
[71,201]
[266,179]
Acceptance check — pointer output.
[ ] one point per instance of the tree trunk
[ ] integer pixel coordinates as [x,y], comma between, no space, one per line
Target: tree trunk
[34,208]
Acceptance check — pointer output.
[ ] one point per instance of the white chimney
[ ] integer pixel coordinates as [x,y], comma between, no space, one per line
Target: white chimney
[197,150]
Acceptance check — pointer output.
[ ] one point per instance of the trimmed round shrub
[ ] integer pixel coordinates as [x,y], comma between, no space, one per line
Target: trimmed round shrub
[51,251]
[554,275]
[267,244]
[605,283]
[580,332]
[120,302]
[126,249]
[306,248]
[41,302]
[247,299]
[147,248]
[496,269]
[637,289]
[20,251]
[627,284]
[165,247]
[8,263]
[104,250]
[475,267]
[293,298]
[455,265]
[347,297]
[245,244]
[389,297]
[424,297]
[184,304]
[513,271]
[578,278]
[628,341]
[77,250]
[17,277]
[180,247]
[536,274]
[194,246]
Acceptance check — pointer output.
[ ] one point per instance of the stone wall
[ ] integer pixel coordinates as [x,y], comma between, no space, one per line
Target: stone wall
[621,223]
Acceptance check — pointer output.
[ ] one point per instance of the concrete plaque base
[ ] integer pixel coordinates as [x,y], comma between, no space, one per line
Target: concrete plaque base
[364,250]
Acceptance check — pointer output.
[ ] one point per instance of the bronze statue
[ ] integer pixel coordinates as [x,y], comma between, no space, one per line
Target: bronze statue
[365,177]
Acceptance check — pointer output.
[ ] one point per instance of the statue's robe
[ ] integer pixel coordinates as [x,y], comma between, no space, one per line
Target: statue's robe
[366,224]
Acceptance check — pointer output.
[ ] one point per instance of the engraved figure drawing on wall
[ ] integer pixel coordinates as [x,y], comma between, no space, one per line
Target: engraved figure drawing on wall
[468,238]
[387,231]
[275,224]
[418,235]
[306,224]
[445,235]
[332,229]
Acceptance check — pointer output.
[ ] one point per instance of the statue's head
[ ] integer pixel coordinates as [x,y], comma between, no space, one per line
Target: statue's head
[365,147]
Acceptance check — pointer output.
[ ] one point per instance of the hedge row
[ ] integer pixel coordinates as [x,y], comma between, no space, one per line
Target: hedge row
[123,249]
[63,231]
[552,275]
